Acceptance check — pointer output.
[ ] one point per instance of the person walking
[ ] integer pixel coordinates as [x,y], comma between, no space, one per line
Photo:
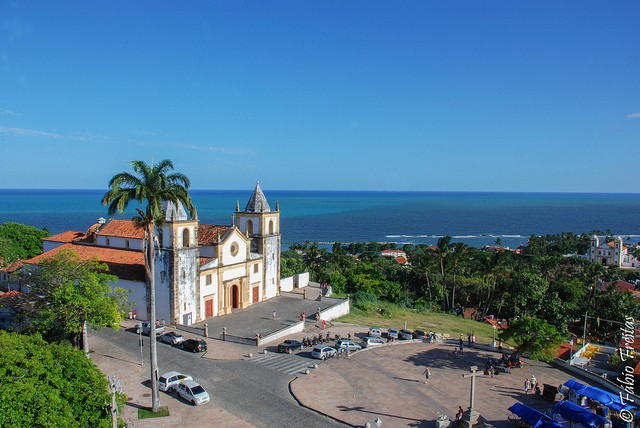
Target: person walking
[426,375]
[527,386]
[459,415]
[273,315]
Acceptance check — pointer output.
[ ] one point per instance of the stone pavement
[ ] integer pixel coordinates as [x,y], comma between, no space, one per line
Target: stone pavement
[384,382]
[387,383]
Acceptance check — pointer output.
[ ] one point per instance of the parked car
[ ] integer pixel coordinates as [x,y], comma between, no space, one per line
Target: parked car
[289,346]
[146,328]
[419,334]
[392,333]
[194,345]
[322,352]
[405,334]
[368,342]
[347,344]
[375,332]
[193,392]
[172,338]
[170,380]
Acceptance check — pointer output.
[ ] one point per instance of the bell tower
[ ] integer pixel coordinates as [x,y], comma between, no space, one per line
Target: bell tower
[261,225]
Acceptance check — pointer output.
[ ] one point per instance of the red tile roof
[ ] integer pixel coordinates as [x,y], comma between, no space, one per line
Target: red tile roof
[121,228]
[12,293]
[125,264]
[17,265]
[209,234]
[401,260]
[69,236]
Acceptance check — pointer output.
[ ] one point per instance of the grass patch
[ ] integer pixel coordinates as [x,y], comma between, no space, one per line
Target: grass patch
[395,316]
[146,413]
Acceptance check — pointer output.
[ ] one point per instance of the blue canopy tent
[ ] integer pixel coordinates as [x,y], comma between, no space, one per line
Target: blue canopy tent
[533,417]
[573,384]
[575,413]
[605,398]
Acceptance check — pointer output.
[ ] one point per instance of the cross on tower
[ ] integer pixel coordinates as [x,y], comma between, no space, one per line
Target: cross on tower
[470,417]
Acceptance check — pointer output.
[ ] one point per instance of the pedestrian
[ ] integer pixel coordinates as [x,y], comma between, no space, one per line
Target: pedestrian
[324,324]
[459,415]
[461,341]
[461,347]
[273,315]
[533,381]
[426,375]
[347,352]
[134,314]
[527,386]
[469,340]
[162,322]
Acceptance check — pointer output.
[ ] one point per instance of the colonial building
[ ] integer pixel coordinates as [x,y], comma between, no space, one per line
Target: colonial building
[613,253]
[201,270]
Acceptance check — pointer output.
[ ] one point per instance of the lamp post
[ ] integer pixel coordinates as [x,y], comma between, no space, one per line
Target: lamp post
[571,351]
[493,344]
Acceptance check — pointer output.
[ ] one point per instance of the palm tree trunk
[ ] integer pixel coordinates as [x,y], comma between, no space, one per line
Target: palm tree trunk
[153,352]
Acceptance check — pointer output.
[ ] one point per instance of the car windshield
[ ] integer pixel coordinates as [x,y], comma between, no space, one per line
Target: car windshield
[197,390]
[162,379]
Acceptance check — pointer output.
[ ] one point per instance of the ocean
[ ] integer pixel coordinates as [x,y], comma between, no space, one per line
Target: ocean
[475,218]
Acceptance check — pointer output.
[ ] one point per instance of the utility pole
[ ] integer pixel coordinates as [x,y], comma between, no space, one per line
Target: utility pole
[115,386]
[141,343]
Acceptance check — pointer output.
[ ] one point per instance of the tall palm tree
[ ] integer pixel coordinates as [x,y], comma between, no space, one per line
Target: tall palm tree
[151,185]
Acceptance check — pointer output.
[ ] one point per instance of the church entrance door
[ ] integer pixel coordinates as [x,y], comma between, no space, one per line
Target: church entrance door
[235,298]
[256,294]
[208,308]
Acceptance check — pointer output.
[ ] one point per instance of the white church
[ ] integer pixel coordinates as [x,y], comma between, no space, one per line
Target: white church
[202,271]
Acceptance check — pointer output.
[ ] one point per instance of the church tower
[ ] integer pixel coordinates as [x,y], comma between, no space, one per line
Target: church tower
[262,225]
[177,266]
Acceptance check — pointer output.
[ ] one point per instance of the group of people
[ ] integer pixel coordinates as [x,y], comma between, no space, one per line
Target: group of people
[532,385]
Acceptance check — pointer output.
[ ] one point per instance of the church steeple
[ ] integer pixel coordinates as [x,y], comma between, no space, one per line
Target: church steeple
[257,202]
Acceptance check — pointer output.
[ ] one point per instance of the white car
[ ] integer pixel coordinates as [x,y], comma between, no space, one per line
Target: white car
[322,352]
[344,344]
[368,342]
[172,338]
[170,380]
[193,392]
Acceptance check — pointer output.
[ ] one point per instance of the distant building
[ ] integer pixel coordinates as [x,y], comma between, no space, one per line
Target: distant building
[612,253]
[202,270]
[398,255]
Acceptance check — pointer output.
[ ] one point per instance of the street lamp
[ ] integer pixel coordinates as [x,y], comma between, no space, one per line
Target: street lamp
[571,351]
[494,336]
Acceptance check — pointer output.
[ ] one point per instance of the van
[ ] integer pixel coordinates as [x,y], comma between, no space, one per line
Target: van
[368,342]
[375,332]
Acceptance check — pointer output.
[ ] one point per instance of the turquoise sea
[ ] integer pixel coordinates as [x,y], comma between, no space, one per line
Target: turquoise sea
[475,218]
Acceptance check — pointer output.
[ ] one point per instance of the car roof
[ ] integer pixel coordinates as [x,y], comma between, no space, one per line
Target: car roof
[169,374]
[190,383]
[323,347]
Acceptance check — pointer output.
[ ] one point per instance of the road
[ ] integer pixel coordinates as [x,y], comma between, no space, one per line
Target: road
[255,393]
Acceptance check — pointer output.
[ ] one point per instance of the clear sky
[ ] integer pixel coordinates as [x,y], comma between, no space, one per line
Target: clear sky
[323,95]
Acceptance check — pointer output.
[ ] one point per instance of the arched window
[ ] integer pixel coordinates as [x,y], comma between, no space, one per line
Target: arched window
[249,227]
[270,227]
[185,238]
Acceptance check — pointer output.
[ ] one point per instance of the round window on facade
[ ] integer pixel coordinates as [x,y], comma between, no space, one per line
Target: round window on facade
[234,249]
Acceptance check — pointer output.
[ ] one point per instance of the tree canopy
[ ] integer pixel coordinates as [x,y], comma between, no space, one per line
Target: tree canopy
[19,241]
[66,292]
[48,384]
[534,336]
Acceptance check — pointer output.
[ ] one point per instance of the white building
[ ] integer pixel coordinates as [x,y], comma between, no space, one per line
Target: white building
[201,271]
[613,253]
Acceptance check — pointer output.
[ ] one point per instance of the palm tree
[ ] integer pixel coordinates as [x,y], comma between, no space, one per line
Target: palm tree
[151,185]
[442,251]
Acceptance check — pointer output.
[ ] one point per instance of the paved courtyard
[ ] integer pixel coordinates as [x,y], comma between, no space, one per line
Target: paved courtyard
[387,383]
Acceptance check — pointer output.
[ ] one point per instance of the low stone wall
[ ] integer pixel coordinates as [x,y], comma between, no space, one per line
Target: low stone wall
[295,328]
[340,308]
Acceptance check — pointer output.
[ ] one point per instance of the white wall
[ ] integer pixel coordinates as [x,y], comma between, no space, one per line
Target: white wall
[286,284]
[302,279]
[335,311]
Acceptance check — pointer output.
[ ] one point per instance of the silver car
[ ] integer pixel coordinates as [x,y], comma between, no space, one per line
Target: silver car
[169,381]
[193,392]
[344,344]
[368,342]
[322,352]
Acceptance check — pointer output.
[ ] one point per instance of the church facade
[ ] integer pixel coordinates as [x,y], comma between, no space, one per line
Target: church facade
[201,270]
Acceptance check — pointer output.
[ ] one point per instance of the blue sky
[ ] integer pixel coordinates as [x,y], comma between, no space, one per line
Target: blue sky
[323,95]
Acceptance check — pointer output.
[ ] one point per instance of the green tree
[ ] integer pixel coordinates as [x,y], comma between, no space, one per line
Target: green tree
[72,293]
[19,241]
[535,337]
[50,385]
[151,186]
